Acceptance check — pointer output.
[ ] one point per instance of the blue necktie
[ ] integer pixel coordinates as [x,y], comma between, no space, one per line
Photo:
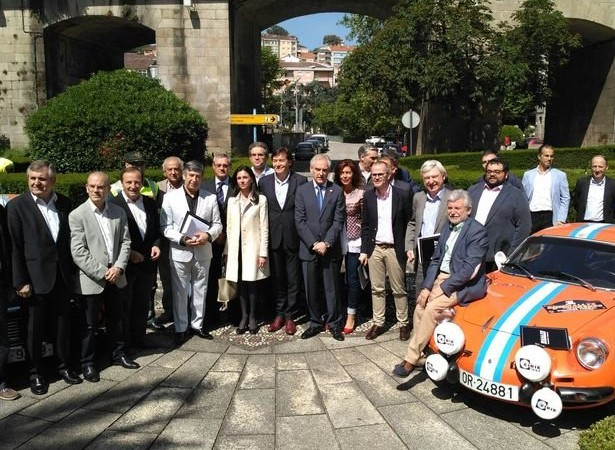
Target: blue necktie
[320,198]
[220,195]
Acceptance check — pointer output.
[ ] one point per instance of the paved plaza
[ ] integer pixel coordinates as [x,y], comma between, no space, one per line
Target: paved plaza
[278,393]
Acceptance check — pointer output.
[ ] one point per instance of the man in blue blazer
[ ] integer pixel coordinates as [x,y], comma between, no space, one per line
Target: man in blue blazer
[319,217]
[456,275]
[547,191]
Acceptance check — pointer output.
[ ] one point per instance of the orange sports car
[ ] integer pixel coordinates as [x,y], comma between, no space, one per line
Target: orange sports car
[544,335]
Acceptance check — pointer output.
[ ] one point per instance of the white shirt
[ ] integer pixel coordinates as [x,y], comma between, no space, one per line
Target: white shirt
[281,189]
[137,209]
[224,186]
[170,187]
[594,210]
[445,265]
[430,214]
[50,214]
[104,223]
[266,171]
[384,234]
[487,198]
[541,194]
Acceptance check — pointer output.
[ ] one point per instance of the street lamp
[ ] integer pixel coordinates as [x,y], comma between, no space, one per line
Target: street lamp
[296,105]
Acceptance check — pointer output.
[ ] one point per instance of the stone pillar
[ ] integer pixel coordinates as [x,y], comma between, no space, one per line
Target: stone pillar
[22,77]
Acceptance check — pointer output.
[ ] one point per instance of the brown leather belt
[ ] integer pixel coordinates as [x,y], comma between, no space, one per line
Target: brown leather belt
[385,246]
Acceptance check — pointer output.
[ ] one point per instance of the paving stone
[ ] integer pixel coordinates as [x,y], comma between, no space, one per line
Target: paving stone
[75,431]
[291,362]
[196,344]
[211,398]
[379,388]
[148,356]
[124,395]
[17,429]
[188,434]
[153,413]
[14,406]
[347,406]
[304,432]
[173,359]
[348,342]
[230,363]
[54,387]
[441,399]
[117,373]
[64,402]
[258,373]
[380,356]
[192,371]
[326,369]
[486,431]
[396,347]
[299,345]
[347,356]
[296,394]
[122,441]
[565,441]
[252,411]
[237,350]
[255,442]
[420,428]
[369,437]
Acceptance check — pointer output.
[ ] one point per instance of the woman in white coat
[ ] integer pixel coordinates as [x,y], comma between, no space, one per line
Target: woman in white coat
[247,242]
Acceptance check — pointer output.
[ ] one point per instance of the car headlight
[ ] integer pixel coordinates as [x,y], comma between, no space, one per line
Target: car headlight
[591,353]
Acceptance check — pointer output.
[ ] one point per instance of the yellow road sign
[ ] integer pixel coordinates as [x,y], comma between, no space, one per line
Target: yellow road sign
[254,119]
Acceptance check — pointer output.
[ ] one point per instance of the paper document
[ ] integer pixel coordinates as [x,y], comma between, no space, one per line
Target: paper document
[193,224]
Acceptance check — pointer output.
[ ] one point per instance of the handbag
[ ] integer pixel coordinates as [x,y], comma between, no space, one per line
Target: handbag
[227,290]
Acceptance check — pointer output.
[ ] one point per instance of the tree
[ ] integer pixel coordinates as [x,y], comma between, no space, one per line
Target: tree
[271,74]
[332,39]
[277,30]
[362,28]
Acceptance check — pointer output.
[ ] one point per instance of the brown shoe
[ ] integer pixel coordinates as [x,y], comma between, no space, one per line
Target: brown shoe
[374,332]
[8,394]
[291,327]
[276,324]
[404,333]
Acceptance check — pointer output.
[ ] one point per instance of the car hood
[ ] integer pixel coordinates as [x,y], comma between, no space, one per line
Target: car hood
[515,301]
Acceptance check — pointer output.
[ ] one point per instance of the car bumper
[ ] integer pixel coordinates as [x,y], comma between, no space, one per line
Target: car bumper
[585,396]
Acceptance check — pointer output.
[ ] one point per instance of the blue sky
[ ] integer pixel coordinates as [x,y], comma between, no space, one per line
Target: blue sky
[311,29]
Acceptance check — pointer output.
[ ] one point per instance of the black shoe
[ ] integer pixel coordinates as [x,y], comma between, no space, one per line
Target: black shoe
[337,334]
[311,332]
[241,330]
[203,334]
[254,330]
[179,338]
[126,362]
[91,374]
[157,326]
[38,385]
[163,318]
[70,377]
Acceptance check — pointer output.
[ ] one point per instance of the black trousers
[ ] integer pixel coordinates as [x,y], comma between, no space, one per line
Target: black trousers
[212,317]
[541,220]
[286,276]
[164,269]
[4,336]
[323,280]
[49,318]
[113,299]
[141,279]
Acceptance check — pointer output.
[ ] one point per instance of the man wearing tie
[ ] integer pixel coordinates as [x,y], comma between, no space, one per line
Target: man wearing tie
[319,217]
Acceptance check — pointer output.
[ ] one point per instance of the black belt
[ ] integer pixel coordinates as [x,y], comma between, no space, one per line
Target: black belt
[385,246]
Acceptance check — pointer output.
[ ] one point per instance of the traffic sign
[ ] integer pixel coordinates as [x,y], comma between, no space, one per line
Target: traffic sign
[410,119]
[254,119]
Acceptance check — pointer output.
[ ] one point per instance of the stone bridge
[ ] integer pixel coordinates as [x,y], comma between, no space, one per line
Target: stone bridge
[208,54]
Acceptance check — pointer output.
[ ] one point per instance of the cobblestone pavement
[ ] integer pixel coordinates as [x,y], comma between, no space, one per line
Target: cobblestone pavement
[288,394]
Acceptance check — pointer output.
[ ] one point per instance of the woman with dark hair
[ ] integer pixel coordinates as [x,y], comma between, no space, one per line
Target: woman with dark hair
[247,241]
[348,176]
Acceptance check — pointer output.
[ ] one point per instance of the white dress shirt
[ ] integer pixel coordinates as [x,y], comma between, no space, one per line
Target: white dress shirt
[594,210]
[541,194]
[50,214]
[384,234]
[430,214]
[281,189]
[137,209]
[445,265]
[487,198]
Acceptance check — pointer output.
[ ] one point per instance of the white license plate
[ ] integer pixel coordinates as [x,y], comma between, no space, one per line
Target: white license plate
[487,387]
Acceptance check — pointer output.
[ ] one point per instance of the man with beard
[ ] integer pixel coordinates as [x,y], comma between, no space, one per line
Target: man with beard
[502,209]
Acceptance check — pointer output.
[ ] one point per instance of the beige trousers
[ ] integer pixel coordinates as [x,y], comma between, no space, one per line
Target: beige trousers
[424,321]
[384,262]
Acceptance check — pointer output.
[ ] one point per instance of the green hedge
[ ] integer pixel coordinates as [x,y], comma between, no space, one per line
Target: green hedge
[600,436]
[93,124]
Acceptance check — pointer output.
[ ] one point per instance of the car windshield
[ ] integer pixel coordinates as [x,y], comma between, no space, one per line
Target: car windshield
[577,261]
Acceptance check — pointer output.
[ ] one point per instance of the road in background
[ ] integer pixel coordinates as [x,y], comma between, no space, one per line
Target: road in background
[337,152]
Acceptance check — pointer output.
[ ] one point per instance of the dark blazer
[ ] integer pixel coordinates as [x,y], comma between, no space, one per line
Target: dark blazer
[36,257]
[5,254]
[319,226]
[401,213]
[468,254]
[509,220]
[580,198]
[210,185]
[282,228]
[152,236]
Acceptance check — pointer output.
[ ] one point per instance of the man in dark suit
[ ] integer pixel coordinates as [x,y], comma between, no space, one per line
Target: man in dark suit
[594,196]
[502,209]
[221,185]
[386,211]
[319,216]
[511,178]
[280,189]
[144,230]
[43,270]
[456,275]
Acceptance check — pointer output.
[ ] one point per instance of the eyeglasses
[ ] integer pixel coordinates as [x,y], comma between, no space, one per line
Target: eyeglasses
[378,175]
[495,172]
[487,161]
[257,154]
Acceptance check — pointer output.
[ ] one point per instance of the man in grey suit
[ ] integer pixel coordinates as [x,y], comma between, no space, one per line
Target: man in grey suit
[502,209]
[100,245]
[319,216]
[428,215]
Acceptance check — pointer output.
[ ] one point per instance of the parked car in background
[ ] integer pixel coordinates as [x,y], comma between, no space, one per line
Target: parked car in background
[393,146]
[324,140]
[319,146]
[378,141]
[305,151]
[529,142]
